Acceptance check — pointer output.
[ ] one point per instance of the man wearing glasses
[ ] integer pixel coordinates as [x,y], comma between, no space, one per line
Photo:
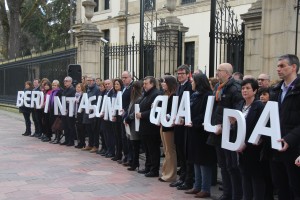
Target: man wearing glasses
[68,122]
[263,81]
[185,181]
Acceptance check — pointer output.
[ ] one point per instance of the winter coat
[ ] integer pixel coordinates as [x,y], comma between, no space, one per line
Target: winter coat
[198,151]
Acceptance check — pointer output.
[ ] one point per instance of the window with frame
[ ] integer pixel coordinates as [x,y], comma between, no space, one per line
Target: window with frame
[187,1]
[96,9]
[106,4]
[149,5]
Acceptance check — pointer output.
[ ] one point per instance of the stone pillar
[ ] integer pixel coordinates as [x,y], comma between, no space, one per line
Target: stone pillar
[167,38]
[88,53]
[253,39]
[278,31]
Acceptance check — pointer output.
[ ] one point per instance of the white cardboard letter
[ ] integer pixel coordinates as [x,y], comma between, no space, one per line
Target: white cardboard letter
[155,109]
[169,122]
[61,105]
[184,109]
[241,130]
[270,112]
[137,121]
[20,100]
[208,112]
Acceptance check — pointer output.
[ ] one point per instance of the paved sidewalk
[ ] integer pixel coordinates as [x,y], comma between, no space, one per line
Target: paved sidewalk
[31,169]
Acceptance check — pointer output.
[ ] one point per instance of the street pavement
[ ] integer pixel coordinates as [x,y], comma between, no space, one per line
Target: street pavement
[35,170]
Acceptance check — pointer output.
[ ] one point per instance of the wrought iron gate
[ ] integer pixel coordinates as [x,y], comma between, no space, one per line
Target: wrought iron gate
[226,37]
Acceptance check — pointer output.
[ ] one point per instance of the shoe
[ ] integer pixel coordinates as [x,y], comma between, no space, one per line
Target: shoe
[38,135]
[79,146]
[126,164]
[63,143]
[101,151]
[70,144]
[26,134]
[87,148]
[94,150]
[224,197]
[184,187]
[133,168]
[192,191]
[115,159]
[46,139]
[109,155]
[143,171]
[161,180]
[202,195]
[120,161]
[177,183]
[151,174]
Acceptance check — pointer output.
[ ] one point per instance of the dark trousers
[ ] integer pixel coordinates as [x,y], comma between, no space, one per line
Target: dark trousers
[69,128]
[109,137]
[101,135]
[286,178]
[37,120]
[179,138]
[117,131]
[93,135]
[26,116]
[152,151]
[80,133]
[253,184]
[226,181]
[135,153]
[126,144]
[235,175]
[47,125]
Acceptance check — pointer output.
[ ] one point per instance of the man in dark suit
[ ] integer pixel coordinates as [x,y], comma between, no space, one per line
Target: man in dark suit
[107,125]
[37,113]
[127,81]
[185,181]
[150,133]
[68,122]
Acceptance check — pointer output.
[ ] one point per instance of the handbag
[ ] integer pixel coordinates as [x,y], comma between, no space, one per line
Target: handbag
[57,125]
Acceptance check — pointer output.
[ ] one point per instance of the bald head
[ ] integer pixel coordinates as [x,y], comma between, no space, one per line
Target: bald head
[263,81]
[224,71]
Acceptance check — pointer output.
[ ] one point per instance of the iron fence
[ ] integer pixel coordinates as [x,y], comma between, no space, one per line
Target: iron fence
[14,74]
[159,58]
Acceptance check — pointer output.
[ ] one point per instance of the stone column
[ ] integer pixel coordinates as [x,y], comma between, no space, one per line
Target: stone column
[279,29]
[253,39]
[88,53]
[167,39]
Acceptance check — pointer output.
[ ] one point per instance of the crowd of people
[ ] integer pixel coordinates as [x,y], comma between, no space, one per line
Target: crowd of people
[252,172]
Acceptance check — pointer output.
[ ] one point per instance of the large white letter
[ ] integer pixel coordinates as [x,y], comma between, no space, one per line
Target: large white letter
[163,117]
[61,105]
[84,104]
[155,109]
[97,109]
[107,109]
[92,108]
[20,100]
[118,106]
[71,101]
[184,109]
[137,121]
[241,130]
[270,112]
[207,118]
[47,103]
[37,99]
[27,98]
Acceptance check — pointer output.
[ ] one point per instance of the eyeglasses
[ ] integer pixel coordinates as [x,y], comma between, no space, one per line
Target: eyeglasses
[124,77]
[67,80]
[181,74]
[220,70]
[261,79]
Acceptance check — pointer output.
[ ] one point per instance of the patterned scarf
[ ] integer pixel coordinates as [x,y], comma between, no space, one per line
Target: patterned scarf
[220,91]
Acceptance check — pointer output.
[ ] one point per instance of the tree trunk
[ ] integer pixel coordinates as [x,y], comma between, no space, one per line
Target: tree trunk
[14,7]
[5,27]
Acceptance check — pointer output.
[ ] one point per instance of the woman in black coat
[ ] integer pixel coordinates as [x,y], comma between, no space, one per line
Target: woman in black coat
[199,153]
[250,162]
[26,110]
[80,89]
